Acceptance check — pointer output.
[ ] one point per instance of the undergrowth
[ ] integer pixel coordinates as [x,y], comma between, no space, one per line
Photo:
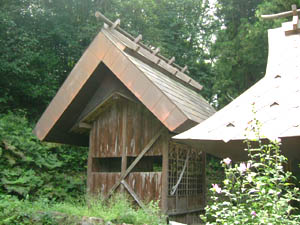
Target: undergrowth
[117,210]
[29,167]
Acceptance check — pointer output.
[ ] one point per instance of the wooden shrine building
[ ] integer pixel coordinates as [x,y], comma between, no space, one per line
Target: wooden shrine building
[125,101]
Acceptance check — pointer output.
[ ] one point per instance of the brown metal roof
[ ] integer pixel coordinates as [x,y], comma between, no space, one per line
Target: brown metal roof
[276,98]
[112,58]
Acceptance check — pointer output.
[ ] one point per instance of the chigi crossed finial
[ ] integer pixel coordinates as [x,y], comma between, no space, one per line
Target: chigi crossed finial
[295,28]
[116,25]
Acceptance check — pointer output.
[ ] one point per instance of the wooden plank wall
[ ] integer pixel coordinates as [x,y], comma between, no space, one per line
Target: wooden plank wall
[123,129]
[107,140]
[146,185]
[106,133]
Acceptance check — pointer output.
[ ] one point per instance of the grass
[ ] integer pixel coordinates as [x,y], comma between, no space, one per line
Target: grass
[117,210]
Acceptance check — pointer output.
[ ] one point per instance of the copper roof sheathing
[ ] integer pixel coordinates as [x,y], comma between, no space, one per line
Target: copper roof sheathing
[276,98]
[172,96]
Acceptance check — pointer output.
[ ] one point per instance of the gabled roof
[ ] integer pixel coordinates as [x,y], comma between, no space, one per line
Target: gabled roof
[275,98]
[167,92]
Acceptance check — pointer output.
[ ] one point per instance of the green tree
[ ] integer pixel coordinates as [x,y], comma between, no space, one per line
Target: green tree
[41,41]
[240,50]
[182,29]
[241,47]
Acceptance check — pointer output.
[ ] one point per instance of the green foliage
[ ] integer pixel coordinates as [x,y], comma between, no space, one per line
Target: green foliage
[42,41]
[117,210]
[31,168]
[120,210]
[258,191]
[241,47]
[214,173]
[240,50]
[13,211]
[40,44]
[180,28]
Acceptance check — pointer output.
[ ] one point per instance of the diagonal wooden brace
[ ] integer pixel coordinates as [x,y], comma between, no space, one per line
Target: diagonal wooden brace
[133,194]
[133,164]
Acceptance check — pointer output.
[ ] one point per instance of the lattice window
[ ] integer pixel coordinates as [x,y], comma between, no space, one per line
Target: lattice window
[188,182]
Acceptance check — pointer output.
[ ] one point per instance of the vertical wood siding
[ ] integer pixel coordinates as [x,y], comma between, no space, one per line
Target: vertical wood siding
[106,140]
[146,185]
[128,126]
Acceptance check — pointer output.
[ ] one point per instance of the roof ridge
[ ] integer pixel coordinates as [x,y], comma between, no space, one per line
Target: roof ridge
[166,64]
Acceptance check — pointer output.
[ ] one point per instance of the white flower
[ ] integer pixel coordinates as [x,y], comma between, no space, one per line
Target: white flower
[227,161]
[253,213]
[249,178]
[243,167]
[216,188]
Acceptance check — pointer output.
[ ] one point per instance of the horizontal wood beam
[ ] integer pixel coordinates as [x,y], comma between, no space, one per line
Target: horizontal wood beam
[84,125]
[185,212]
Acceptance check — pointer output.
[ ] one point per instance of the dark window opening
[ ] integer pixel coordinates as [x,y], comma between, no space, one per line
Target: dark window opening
[146,164]
[106,165]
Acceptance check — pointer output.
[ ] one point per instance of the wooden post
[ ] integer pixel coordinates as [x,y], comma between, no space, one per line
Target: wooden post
[177,175]
[165,173]
[190,149]
[204,178]
[89,168]
[124,142]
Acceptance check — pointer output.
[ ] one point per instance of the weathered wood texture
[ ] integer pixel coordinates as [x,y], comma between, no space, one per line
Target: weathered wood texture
[107,131]
[165,173]
[147,185]
[124,129]
[137,161]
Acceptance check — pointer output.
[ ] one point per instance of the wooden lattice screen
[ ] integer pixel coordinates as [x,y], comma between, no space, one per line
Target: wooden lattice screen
[191,182]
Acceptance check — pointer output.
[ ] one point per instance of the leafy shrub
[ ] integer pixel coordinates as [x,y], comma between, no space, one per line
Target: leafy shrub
[13,211]
[31,168]
[258,191]
[214,174]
